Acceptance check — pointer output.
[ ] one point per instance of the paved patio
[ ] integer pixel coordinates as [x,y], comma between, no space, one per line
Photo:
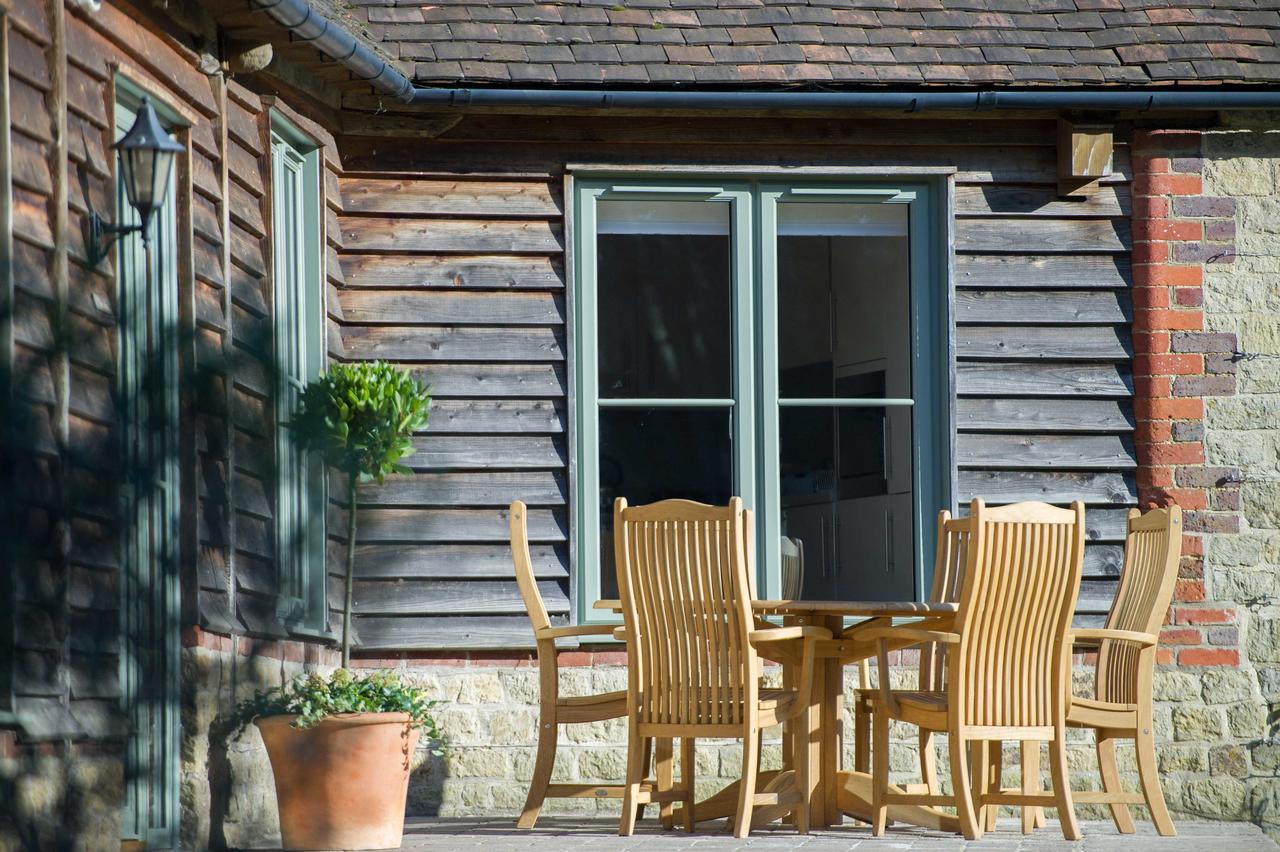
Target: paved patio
[559,835]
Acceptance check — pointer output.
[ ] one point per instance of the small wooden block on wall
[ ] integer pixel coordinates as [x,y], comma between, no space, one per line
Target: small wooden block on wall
[1084,155]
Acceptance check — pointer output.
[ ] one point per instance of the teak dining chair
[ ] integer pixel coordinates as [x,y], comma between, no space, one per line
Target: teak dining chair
[792,568]
[693,660]
[948,568]
[553,709]
[1126,665]
[1008,665]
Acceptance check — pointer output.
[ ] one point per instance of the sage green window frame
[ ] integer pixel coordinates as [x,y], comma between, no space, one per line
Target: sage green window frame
[299,343]
[150,590]
[756,402]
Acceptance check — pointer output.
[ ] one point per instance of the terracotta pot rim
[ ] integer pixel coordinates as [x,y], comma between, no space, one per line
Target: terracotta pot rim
[347,719]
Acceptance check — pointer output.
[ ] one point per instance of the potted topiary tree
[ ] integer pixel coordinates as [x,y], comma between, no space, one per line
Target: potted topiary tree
[341,747]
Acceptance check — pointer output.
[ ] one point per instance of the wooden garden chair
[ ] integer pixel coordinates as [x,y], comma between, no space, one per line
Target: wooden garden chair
[553,709]
[792,568]
[1126,665]
[693,658]
[1008,662]
[948,567]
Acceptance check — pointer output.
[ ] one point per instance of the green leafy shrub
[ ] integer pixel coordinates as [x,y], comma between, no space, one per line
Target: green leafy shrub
[361,418]
[314,697]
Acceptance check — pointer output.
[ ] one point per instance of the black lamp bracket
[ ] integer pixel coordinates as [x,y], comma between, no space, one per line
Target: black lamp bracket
[103,234]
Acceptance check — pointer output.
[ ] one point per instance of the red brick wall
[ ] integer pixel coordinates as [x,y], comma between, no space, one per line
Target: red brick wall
[1177,365]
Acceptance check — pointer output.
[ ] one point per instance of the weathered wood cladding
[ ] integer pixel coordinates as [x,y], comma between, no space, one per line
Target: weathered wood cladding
[66,619]
[454,266]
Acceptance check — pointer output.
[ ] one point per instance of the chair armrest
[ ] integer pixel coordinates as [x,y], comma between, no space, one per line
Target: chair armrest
[620,633]
[575,630]
[788,634]
[915,633]
[1097,635]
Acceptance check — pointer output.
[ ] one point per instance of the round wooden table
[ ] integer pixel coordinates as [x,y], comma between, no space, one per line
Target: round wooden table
[834,791]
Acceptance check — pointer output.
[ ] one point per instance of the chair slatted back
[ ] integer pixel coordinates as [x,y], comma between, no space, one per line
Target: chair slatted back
[1018,594]
[686,602]
[792,568]
[948,571]
[1152,547]
[519,523]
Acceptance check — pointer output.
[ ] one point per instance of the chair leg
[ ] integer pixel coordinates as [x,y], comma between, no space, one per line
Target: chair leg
[688,774]
[1062,787]
[880,771]
[928,762]
[969,825]
[1151,790]
[995,768]
[646,761]
[747,786]
[542,766]
[1032,815]
[862,736]
[800,764]
[663,775]
[635,775]
[980,778]
[1106,746]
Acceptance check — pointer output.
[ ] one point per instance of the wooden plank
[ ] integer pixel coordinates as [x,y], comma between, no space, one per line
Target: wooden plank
[456,561]
[540,488]
[29,165]
[450,416]
[1043,307]
[246,210]
[246,252]
[1103,560]
[972,164]
[488,272]
[1071,452]
[1045,343]
[27,60]
[31,218]
[399,196]
[1006,200]
[1043,415]
[1042,236]
[244,169]
[452,525]
[819,130]
[438,236]
[398,307]
[461,597]
[436,343]
[445,632]
[1052,380]
[1057,487]
[493,380]
[28,111]
[433,451]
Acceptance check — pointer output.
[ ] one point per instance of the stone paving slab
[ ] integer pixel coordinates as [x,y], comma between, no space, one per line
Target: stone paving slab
[562,834]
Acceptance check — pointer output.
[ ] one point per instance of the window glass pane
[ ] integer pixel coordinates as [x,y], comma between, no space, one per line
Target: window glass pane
[649,454]
[846,500]
[844,300]
[664,279]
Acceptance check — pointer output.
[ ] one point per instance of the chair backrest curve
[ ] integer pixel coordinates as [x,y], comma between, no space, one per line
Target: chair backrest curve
[686,602]
[948,572]
[519,523]
[1012,665]
[1152,547]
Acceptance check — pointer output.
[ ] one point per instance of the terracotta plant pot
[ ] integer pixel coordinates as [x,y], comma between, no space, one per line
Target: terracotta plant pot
[342,783]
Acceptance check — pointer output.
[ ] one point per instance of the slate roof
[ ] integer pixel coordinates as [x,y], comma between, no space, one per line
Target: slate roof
[830,43]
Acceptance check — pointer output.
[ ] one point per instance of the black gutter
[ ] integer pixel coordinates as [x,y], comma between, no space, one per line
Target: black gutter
[1106,99]
[333,40]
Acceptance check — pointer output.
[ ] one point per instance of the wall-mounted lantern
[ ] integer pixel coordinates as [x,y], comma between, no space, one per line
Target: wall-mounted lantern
[146,155]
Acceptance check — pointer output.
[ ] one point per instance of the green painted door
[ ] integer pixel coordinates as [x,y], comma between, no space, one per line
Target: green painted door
[147,284]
